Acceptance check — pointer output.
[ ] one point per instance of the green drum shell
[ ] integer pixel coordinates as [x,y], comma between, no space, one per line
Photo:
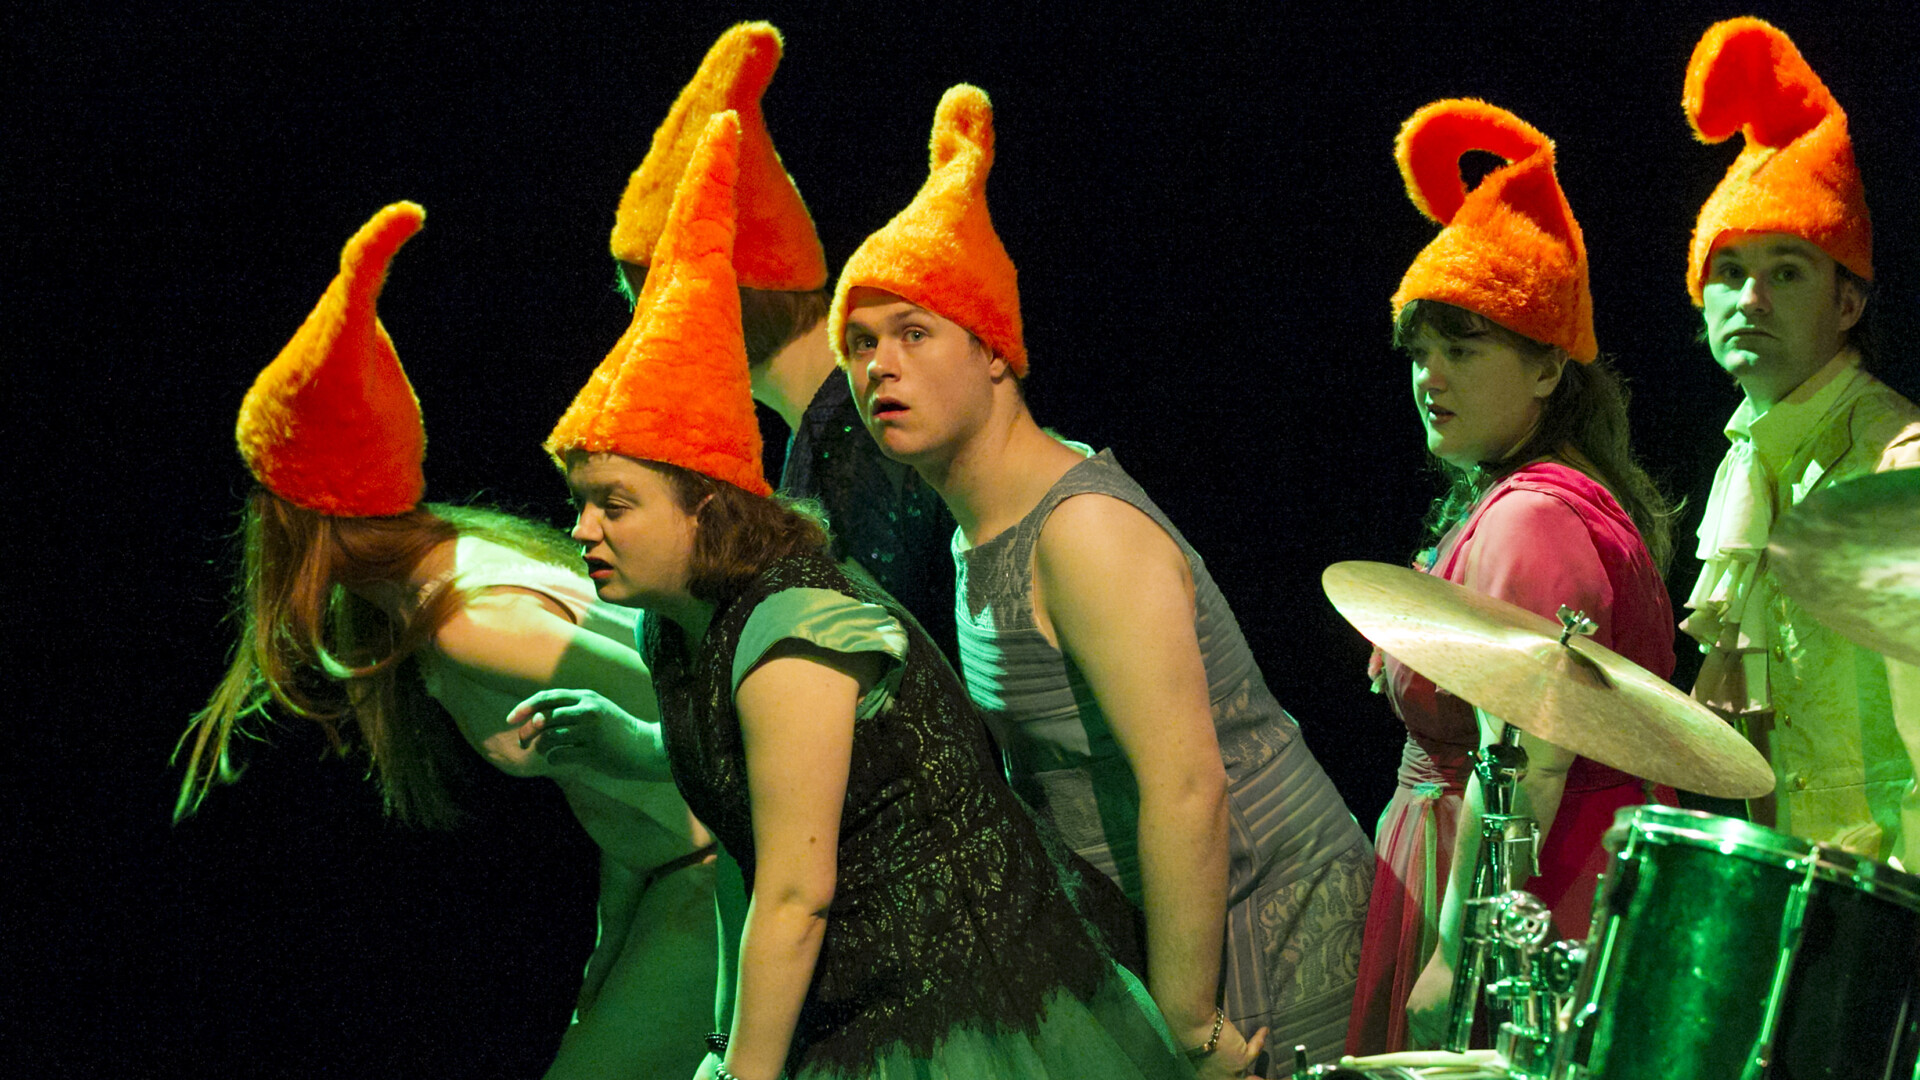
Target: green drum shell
[1687,936]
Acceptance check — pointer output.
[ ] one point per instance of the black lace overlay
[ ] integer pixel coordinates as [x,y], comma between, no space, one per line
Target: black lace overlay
[951,910]
[883,516]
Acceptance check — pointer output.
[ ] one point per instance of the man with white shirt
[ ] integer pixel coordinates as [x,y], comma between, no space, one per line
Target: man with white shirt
[1781,267]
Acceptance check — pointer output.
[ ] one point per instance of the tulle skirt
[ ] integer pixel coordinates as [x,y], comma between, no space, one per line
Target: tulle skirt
[1118,1035]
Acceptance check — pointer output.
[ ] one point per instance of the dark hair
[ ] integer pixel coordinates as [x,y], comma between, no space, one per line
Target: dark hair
[1586,411]
[770,319]
[740,533]
[318,651]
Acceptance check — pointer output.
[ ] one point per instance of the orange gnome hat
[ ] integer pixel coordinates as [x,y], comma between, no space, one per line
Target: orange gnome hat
[1796,172]
[675,387]
[941,251]
[775,245]
[1510,249]
[332,423]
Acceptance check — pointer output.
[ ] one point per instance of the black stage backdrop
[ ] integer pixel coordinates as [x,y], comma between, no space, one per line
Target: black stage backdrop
[1208,224]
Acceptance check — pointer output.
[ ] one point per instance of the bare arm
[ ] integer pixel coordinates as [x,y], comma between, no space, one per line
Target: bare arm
[796,719]
[1116,594]
[518,643]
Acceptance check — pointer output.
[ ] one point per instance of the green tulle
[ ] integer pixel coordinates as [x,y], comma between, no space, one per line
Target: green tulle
[1118,1035]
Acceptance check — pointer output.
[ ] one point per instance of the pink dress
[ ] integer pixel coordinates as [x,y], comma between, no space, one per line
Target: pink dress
[1545,536]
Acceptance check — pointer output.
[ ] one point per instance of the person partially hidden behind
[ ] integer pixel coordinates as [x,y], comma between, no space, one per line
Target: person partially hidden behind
[882,514]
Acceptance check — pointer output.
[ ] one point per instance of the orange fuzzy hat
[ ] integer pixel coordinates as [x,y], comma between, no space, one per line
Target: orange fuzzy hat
[941,251]
[1796,173]
[675,387]
[1510,249]
[332,423]
[775,246]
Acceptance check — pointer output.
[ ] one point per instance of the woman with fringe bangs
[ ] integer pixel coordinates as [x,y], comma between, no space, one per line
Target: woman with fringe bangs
[1545,506]
[357,603]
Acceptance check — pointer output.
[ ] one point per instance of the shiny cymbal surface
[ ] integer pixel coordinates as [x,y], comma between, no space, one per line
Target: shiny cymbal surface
[1850,555]
[1581,696]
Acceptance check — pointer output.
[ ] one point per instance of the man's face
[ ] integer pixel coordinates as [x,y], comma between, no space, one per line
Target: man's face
[1776,311]
[923,382]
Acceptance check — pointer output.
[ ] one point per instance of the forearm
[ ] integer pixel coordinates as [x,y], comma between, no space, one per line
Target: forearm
[620,890]
[1183,869]
[779,946]
[1459,886]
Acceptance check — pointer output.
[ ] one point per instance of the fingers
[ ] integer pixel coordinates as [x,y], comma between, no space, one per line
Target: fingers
[542,702]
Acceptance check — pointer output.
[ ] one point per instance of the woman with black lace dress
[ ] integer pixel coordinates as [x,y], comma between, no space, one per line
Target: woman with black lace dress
[905,916]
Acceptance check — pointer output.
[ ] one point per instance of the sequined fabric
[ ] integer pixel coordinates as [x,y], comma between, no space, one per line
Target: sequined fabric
[884,517]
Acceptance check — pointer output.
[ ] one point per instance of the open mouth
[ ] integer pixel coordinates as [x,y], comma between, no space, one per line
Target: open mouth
[887,408]
[1438,415]
[599,569]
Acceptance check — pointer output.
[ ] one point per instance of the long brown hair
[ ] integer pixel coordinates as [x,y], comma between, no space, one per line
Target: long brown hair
[312,648]
[1586,411]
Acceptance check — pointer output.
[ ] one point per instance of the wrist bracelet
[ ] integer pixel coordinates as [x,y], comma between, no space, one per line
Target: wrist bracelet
[717,1042]
[1213,1040]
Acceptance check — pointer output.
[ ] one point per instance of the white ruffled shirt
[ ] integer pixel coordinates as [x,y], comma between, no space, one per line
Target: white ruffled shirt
[1747,495]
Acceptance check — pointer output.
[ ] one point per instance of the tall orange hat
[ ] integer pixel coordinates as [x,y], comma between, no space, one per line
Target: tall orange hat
[775,245]
[1796,172]
[1510,249]
[941,251]
[332,423]
[675,387]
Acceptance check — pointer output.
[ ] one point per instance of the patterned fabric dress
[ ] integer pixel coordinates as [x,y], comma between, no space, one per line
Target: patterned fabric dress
[1545,536]
[1299,866]
[953,946]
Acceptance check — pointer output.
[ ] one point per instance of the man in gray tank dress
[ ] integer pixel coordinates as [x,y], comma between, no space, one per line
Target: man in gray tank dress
[1119,685]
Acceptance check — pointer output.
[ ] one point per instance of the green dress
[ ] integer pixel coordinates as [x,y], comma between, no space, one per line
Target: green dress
[954,946]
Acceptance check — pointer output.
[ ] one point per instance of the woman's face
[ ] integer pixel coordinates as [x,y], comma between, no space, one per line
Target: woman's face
[1479,397]
[636,539]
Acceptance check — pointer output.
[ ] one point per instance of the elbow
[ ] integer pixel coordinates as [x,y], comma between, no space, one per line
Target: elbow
[804,900]
[1197,796]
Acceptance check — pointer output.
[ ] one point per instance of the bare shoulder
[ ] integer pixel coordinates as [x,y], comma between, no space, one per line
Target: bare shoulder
[501,621]
[1097,531]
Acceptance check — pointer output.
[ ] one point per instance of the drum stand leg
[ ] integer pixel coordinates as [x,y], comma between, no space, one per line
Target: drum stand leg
[1507,846]
[1793,919]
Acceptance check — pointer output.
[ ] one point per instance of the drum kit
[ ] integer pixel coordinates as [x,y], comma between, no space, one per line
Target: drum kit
[1719,949]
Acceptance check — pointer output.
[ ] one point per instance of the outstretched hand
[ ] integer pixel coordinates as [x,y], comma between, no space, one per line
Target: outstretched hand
[580,727]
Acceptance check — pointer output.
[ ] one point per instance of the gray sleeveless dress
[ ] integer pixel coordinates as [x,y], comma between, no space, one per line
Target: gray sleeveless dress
[1300,868]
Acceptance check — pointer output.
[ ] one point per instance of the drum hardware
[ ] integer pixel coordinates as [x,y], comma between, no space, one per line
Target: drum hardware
[1539,676]
[1792,923]
[1722,950]
[1498,910]
[1850,554]
[1507,859]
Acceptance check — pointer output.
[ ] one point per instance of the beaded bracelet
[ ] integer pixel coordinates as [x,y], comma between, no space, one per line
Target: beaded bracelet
[717,1042]
[1213,1040]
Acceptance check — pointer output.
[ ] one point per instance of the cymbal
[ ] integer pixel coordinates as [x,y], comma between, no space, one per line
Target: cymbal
[1850,555]
[1580,696]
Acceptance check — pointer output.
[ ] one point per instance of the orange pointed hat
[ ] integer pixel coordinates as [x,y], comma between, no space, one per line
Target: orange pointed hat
[1510,249]
[775,246]
[332,423]
[1796,172]
[941,252]
[675,387]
